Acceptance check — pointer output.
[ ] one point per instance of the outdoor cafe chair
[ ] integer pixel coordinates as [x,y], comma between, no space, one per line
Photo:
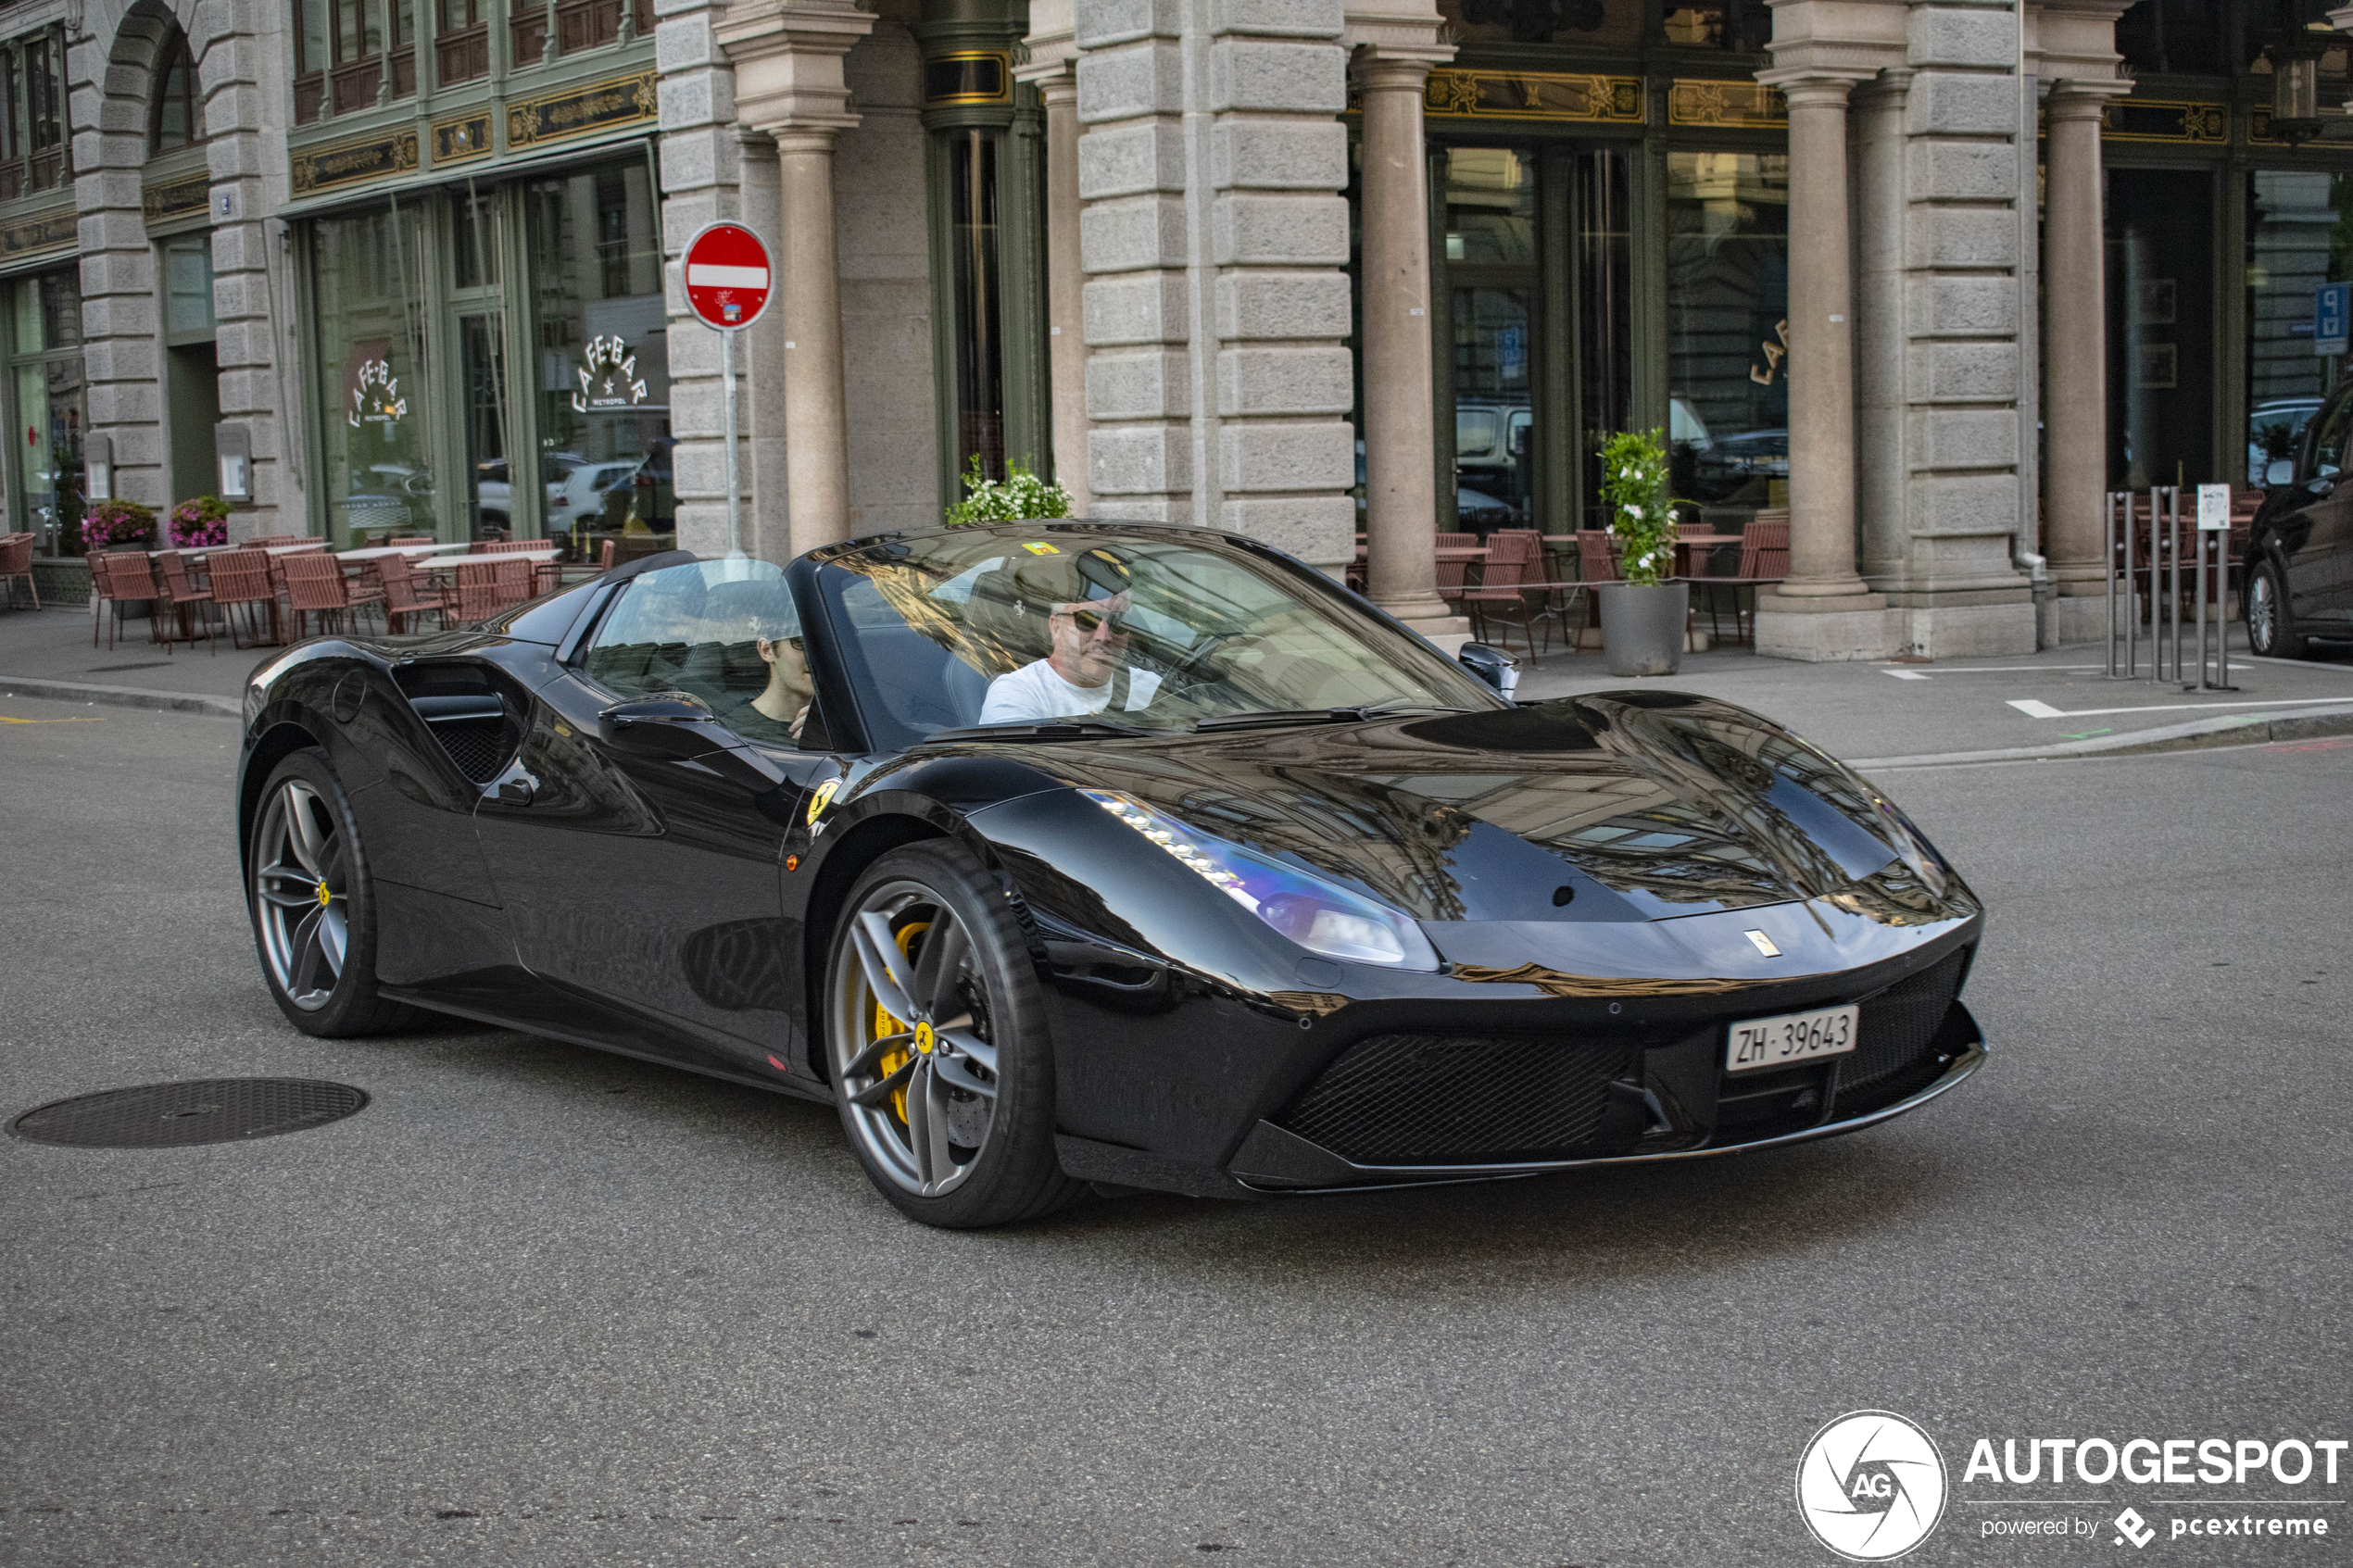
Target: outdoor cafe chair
[1764,562]
[1512,573]
[241,579]
[407,597]
[190,605]
[400,539]
[1454,576]
[487,587]
[315,587]
[117,578]
[16,561]
[546,574]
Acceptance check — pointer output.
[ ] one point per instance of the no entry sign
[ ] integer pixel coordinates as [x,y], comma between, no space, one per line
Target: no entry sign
[728,276]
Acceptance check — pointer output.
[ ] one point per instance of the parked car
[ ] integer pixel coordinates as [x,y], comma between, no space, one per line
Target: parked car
[494,487]
[594,494]
[2275,430]
[1301,904]
[2296,573]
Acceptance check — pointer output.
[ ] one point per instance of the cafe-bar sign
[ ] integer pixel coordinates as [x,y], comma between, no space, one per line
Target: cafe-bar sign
[609,378]
[376,399]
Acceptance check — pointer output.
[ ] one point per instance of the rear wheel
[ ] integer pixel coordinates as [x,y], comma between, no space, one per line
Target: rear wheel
[314,914]
[2270,630]
[941,1066]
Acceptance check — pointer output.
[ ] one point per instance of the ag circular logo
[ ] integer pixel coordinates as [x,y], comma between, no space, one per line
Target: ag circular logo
[1871,1486]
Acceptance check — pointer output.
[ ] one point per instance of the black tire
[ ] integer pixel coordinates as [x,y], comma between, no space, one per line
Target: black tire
[2271,623]
[296,924]
[985,1073]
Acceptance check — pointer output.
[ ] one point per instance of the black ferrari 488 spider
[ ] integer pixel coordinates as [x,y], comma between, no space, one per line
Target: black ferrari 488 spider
[1069,854]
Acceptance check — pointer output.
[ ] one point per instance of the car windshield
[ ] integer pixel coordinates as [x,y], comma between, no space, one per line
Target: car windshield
[1147,629]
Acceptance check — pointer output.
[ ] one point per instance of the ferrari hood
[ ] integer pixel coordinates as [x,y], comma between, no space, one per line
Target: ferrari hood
[1614,807]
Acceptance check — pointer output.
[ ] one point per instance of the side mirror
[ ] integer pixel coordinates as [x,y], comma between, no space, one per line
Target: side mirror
[1495,667]
[2279,470]
[674,726]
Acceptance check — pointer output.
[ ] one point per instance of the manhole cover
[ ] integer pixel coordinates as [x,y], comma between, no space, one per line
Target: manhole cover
[173,1115]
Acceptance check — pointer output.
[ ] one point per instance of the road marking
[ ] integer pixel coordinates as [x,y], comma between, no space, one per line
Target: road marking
[1998,669]
[84,719]
[2034,710]
[2300,663]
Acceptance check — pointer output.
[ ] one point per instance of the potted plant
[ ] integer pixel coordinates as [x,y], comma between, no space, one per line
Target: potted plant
[1020,496]
[200,524]
[1643,613]
[118,525]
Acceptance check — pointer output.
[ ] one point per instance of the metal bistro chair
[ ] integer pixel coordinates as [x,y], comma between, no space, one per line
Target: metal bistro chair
[1764,562]
[1510,577]
[1454,576]
[190,605]
[16,561]
[315,587]
[240,579]
[117,578]
[407,597]
[546,574]
[398,539]
[487,587]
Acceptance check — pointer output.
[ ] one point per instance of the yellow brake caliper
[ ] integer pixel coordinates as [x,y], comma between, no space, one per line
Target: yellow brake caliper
[885,1024]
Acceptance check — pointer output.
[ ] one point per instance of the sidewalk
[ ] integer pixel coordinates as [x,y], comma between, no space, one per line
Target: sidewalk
[2058,702]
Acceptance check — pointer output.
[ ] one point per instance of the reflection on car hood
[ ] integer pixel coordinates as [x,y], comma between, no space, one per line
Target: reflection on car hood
[1621,806]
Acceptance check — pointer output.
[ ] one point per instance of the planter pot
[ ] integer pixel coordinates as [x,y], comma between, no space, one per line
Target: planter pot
[1642,626]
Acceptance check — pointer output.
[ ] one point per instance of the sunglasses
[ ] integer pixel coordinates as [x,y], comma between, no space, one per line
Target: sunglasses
[1087,620]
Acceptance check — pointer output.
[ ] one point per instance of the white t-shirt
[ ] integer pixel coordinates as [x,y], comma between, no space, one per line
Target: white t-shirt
[1035,692]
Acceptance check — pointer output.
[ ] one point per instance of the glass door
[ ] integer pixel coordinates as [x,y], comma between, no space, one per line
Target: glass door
[488,495]
[1492,288]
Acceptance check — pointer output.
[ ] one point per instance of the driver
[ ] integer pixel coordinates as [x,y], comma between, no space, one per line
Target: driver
[1086,598]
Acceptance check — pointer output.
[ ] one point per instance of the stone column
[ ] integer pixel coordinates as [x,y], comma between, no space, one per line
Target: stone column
[1879,113]
[121,352]
[2075,340]
[1065,311]
[1823,610]
[1401,499]
[816,436]
[789,84]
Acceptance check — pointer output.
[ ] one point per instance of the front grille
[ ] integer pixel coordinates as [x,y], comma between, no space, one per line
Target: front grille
[1421,1099]
[1895,1046]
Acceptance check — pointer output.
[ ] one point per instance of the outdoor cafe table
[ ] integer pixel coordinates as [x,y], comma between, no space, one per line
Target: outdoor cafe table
[1707,541]
[378,552]
[440,563]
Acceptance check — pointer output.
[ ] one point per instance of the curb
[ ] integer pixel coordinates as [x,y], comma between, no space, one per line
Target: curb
[122,697]
[2196,734]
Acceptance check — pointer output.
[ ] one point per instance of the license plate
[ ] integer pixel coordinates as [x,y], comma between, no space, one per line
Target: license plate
[1794,1036]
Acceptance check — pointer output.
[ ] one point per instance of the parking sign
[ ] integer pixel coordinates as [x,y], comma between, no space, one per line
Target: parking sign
[2332,307]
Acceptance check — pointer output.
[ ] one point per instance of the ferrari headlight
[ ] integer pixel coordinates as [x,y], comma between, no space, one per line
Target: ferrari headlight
[1320,916]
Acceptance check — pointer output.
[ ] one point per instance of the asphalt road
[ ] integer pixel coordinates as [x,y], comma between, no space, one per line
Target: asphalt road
[539,1306]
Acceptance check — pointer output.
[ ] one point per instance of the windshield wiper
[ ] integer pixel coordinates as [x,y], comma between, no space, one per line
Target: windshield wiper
[1274,717]
[1048,728]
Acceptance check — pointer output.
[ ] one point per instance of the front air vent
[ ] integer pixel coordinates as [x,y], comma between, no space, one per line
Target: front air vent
[1440,1099]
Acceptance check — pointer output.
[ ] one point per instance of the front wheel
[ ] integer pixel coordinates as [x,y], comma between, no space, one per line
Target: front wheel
[942,1070]
[314,915]
[2271,629]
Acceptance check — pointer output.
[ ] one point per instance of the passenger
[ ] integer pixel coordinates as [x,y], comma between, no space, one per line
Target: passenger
[759,612]
[1088,597]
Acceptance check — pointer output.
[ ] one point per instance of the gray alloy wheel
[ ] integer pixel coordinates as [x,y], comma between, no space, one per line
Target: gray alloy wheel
[301,895]
[936,1041]
[912,1055]
[2270,632]
[313,905]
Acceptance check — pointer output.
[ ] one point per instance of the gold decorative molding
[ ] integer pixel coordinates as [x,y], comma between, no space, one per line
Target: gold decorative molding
[608,106]
[2161,119]
[349,163]
[968,77]
[175,198]
[1519,94]
[47,230]
[461,140]
[1733,105]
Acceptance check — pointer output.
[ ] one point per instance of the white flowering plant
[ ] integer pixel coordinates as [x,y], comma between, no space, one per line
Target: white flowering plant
[1642,513]
[1020,496]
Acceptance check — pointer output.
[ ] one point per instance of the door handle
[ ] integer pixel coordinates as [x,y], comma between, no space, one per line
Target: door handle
[517,789]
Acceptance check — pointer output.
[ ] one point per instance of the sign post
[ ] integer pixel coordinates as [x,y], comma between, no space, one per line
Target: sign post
[728,286]
[2332,315]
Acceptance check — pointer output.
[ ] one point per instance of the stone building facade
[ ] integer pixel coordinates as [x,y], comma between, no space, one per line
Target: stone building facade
[1932,276]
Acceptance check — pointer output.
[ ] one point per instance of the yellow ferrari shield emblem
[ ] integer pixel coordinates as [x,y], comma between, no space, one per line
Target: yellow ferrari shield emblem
[823,799]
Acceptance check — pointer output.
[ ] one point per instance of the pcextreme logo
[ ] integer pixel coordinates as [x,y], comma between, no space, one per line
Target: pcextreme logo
[1871,1485]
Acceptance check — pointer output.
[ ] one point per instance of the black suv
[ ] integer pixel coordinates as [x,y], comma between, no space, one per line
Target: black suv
[2298,571]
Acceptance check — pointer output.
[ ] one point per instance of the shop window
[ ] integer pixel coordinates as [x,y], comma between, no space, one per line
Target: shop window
[980,373]
[375,383]
[33,154]
[2299,235]
[176,117]
[602,388]
[2174,37]
[2162,299]
[44,346]
[578,24]
[1728,328]
[1608,23]
[1744,25]
[462,44]
[352,55]
[1491,290]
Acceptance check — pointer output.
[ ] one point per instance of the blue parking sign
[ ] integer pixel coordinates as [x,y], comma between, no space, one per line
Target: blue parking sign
[2332,307]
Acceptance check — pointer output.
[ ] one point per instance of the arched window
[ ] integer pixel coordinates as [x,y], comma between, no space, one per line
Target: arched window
[176,118]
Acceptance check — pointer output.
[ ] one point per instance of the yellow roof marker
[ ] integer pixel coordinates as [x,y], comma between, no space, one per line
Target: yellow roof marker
[1039,547]
[77,719]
